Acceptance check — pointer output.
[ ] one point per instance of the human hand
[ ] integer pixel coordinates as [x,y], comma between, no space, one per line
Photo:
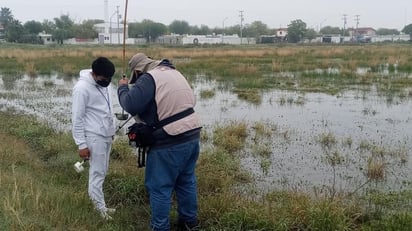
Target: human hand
[84,153]
[123,81]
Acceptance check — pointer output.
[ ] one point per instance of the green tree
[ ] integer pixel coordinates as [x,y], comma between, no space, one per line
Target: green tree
[85,30]
[15,31]
[33,27]
[31,32]
[310,34]
[6,17]
[30,38]
[329,30]
[135,30]
[386,31]
[157,29]
[179,27]
[255,29]
[408,30]
[296,31]
[64,28]
[147,29]
[203,30]
[48,26]
[233,30]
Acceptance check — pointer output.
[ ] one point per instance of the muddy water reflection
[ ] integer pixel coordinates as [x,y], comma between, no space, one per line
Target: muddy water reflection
[366,126]
[363,125]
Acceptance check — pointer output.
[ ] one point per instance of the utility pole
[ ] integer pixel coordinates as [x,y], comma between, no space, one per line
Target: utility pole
[241,26]
[320,24]
[223,29]
[357,23]
[110,27]
[344,24]
[118,30]
[106,17]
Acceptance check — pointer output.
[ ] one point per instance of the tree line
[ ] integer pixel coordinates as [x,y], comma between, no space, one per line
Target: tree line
[64,27]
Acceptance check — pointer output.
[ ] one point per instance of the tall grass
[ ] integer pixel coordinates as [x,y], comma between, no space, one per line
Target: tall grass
[246,67]
[41,191]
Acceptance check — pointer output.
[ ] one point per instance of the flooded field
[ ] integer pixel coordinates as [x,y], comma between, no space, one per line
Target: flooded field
[319,141]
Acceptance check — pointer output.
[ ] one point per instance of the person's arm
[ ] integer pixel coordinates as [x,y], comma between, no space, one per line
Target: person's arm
[78,130]
[135,99]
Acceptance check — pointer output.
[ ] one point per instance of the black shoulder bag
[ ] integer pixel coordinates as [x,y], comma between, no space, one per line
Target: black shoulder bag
[141,135]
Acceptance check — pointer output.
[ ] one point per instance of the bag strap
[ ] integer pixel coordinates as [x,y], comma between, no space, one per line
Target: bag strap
[173,118]
[141,156]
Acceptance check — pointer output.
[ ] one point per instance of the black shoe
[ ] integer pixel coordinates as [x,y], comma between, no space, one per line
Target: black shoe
[185,226]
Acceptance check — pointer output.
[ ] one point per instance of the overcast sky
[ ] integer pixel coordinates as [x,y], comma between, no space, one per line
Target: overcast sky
[394,14]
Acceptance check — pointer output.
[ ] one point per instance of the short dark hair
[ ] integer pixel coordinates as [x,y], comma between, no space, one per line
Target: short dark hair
[104,67]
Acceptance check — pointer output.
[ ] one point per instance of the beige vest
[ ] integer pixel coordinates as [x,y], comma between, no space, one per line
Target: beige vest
[173,95]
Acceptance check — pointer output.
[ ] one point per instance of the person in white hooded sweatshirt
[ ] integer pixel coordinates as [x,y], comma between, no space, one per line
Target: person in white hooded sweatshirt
[93,126]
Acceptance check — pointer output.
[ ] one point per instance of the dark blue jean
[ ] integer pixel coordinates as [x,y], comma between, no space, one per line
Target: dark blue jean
[168,169]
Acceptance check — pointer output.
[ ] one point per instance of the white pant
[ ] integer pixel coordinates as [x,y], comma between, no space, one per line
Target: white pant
[99,148]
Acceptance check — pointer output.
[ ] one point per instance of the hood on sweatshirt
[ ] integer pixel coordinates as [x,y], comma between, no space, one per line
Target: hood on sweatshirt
[86,75]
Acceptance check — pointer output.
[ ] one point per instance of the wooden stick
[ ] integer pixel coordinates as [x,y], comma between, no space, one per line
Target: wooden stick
[124,40]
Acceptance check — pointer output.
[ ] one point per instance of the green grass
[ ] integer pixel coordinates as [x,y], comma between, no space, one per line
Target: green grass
[41,191]
[207,94]
[242,68]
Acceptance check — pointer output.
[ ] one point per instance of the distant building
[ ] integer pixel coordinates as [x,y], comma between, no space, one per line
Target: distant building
[211,39]
[362,31]
[175,39]
[333,38]
[279,36]
[362,34]
[172,39]
[110,33]
[81,41]
[282,32]
[391,38]
[267,39]
[46,38]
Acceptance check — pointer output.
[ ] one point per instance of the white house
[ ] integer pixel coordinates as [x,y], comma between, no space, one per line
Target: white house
[282,32]
[216,39]
[362,31]
[46,38]
[110,33]
[391,38]
[201,39]
[333,38]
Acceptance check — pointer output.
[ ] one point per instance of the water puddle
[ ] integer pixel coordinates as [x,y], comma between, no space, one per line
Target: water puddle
[360,128]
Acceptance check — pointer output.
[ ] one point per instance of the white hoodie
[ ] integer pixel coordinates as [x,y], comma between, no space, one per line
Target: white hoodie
[91,110]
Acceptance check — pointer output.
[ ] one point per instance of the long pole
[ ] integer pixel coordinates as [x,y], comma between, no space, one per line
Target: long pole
[117,16]
[124,46]
[124,39]
[241,26]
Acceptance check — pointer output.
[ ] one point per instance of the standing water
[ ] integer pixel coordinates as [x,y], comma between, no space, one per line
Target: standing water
[314,129]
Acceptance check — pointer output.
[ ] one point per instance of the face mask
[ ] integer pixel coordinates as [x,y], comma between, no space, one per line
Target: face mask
[103,83]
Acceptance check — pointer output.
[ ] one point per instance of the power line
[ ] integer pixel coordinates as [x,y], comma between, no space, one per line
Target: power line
[344,24]
[344,21]
[357,19]
[241,25]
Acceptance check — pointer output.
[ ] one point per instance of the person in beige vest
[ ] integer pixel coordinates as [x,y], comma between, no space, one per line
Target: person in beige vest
[157,91]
